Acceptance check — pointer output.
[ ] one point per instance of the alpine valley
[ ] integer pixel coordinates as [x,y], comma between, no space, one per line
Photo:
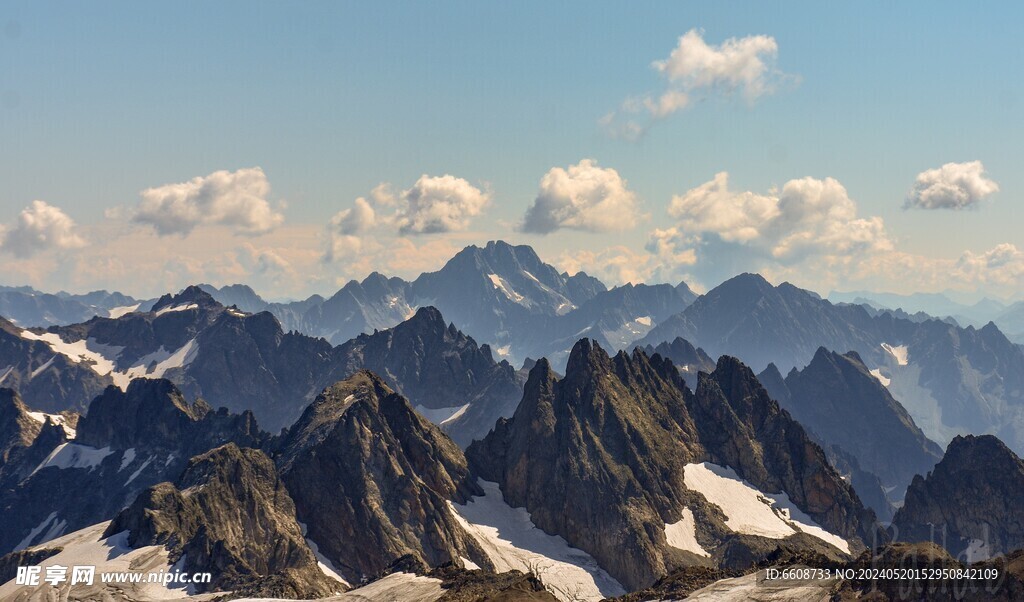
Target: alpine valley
[501,430]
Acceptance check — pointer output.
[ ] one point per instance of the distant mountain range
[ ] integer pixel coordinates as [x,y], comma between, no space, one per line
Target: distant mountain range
[951,380]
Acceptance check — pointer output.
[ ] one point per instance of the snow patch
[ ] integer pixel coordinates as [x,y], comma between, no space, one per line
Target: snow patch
[124,310]
[898,352]
[127,458]
[682,534]
[645,320]
[87,547]
[322,561]
[755,587]
[175,308]
[139,470]
[441,416]
[156,364]
[73,455]
[40,369]
[877,373]
[99,357]
[7,371]
[469,564]
[55,419]
[750,511]
[503,286]
[977,550]
[34,533]
[513,542]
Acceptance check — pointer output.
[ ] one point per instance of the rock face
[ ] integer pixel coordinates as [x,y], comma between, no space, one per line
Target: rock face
[969,503]
[17,428]
[229,514]
[842,403]
[599,458]
[27,437]
[371,480]
[438,367]
[128,441]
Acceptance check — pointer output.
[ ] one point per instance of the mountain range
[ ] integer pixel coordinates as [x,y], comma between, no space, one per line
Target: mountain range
[381,441]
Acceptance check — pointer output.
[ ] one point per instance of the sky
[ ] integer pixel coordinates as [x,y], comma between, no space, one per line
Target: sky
[294,147]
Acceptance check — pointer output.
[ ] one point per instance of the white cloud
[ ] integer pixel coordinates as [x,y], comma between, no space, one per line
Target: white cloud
[807,216]
[712,207]
[810,225]
[744,65]
[236,199]
[583,197]
[952,186]
[436,204]
[1002,265]
[695,70]
[40,227]
[359,218]
[345,228]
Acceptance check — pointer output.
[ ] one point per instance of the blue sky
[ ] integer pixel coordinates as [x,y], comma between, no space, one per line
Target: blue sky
[101,101]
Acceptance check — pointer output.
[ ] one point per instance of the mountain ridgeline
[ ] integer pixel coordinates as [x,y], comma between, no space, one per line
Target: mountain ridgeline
[603,457]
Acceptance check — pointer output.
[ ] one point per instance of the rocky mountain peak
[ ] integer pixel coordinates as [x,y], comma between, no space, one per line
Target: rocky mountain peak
[600,456]
[968,502]
[358,462]
[152,414]
[586,359]
[229,514]
[844,404]
[189,295]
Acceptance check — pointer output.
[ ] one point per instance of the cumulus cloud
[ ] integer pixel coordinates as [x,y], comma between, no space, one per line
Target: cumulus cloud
[809,222]
[952,186]
[583,197]
[1002,265]
[40,227]
[236,199]
[734,216]
[435,204]
[695,70]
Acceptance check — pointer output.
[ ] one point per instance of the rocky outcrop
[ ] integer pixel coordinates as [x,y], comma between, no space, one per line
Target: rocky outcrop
[599,457]
[128,441]
[27,437]
[436,366]
[368,473]
[230,515]
[840,401]
[969,502]
[17,428]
